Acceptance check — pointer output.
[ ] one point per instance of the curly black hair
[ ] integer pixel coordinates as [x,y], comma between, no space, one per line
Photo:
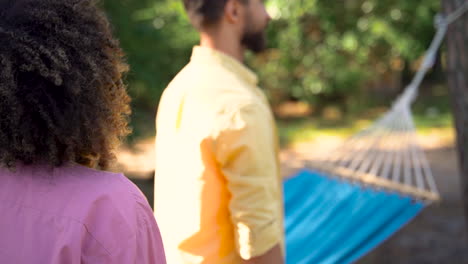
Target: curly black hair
[62,98]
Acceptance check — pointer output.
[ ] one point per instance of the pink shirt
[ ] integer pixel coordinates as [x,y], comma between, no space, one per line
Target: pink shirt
[74,214]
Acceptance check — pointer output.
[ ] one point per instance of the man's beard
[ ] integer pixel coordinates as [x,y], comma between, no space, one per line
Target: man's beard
[254,41]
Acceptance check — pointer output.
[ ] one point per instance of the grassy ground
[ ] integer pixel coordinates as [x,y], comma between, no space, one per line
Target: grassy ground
[307,129]
[431,112]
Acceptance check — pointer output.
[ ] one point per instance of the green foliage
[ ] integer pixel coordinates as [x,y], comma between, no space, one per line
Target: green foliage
[321,51]
[326,51]
[157,38]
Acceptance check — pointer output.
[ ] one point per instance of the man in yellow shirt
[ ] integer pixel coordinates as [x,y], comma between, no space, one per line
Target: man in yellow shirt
[218,192]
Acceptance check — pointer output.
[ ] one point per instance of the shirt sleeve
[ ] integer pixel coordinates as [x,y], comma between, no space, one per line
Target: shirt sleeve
[245,149]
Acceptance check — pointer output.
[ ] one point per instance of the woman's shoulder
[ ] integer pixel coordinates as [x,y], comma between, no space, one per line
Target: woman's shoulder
[100,182]
[87,196]
[106,191]
[117,216]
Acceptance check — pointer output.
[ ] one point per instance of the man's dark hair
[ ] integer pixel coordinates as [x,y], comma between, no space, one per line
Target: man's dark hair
[62,98]
[205,12]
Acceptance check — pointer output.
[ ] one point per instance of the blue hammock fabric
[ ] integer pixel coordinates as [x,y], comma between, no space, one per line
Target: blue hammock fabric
[332,221]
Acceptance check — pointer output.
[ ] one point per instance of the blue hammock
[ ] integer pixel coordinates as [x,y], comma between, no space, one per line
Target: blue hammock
[331,221]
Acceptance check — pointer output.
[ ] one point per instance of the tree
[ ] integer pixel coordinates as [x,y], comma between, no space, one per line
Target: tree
[157,39]
[457,74]
[323,52]
[328,51]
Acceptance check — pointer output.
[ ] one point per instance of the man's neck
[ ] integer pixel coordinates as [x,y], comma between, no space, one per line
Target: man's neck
[225,44]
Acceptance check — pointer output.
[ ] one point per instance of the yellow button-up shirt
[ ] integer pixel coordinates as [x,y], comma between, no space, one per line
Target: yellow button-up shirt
[218,192]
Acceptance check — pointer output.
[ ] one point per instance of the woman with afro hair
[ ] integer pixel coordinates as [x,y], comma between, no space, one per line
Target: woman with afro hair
[63,111]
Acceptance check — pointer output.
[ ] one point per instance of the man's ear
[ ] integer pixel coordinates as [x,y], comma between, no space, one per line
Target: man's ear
[233,11]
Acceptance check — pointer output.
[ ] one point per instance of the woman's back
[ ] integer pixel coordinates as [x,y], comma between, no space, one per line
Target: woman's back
[63,101]
[73,214]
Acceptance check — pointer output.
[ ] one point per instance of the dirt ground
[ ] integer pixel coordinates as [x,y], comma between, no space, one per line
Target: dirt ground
[436,236]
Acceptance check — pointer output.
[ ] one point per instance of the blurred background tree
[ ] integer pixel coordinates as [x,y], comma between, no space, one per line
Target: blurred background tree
[327,52]
[457,72]
[349,54]
[157,39]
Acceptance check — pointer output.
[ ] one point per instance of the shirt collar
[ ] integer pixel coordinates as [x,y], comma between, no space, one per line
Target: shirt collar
[205,54]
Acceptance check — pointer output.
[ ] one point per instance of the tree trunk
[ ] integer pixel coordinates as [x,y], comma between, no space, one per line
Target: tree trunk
[457,74]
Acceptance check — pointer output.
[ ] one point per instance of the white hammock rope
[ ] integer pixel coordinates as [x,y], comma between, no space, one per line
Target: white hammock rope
[386,155]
